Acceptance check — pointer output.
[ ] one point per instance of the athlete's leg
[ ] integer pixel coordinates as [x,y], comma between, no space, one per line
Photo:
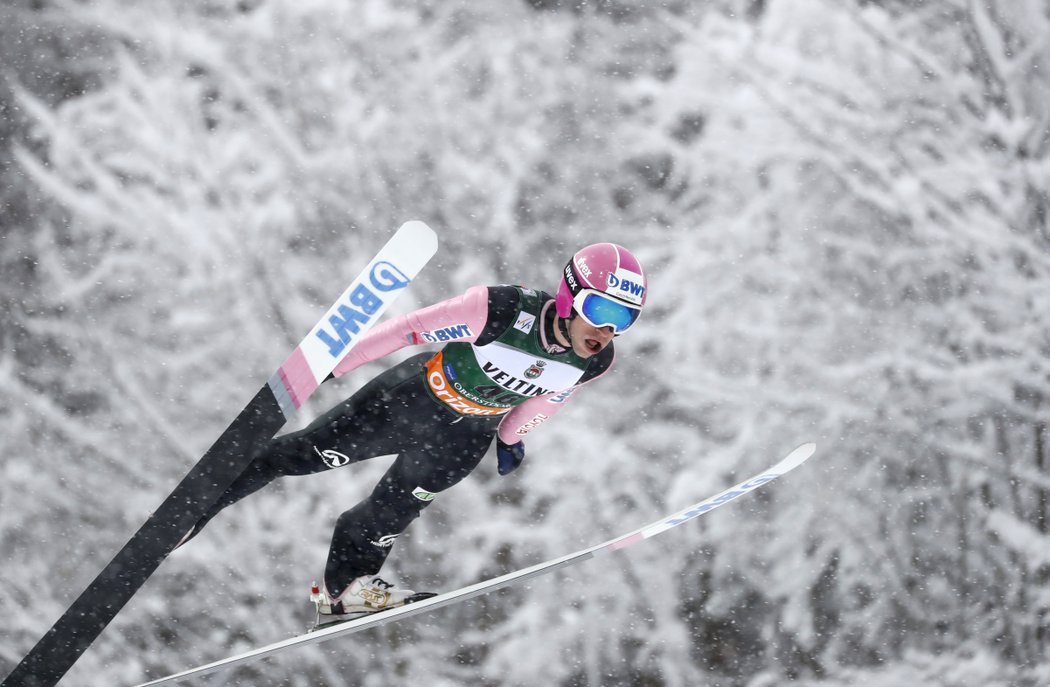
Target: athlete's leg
[364,535]
[354,430]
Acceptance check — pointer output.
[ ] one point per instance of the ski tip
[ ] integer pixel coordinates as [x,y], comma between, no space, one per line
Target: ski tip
[799,455]
[420,234]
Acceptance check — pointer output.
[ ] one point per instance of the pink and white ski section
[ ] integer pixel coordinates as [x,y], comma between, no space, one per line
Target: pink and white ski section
[353,313]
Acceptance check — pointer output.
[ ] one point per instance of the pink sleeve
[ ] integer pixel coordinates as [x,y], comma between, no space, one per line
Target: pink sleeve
[458,319]
[535,411]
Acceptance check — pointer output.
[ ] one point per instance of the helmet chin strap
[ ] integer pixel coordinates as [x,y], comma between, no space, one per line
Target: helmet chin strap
[563,326]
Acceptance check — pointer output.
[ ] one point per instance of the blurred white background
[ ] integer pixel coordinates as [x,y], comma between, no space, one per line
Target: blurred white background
[843,209]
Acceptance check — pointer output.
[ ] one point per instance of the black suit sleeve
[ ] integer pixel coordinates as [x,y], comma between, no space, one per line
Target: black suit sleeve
[504,304]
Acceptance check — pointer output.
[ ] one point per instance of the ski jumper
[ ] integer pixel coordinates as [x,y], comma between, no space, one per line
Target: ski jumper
[501,371]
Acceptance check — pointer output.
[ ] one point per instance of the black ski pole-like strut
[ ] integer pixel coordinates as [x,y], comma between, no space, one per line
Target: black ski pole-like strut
[74,632]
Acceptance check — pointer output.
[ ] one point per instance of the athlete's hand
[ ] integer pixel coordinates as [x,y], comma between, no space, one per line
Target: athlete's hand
[509,456]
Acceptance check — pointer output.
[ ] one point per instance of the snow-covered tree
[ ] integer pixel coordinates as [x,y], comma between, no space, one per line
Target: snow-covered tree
[843,210]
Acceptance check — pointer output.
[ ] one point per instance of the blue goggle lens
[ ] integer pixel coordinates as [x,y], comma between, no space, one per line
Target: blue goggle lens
[605,312]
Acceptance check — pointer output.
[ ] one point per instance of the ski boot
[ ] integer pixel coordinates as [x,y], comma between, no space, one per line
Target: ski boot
[365,595]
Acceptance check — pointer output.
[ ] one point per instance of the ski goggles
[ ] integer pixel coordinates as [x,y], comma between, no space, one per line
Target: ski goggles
[599,310]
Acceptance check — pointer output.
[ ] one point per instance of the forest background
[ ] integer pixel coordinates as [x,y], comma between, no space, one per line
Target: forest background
[843,209]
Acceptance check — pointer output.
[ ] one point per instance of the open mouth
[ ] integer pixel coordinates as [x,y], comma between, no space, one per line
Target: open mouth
[593,346]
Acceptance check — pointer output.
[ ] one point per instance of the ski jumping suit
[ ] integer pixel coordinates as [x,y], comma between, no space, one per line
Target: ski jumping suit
[501,370]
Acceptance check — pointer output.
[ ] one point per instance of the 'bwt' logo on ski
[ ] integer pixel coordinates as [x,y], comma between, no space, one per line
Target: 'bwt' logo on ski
[362,303]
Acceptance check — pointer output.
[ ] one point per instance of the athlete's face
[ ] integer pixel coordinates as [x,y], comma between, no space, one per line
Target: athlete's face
[588,340]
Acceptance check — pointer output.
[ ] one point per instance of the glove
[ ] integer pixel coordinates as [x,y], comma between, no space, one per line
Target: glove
[509,456]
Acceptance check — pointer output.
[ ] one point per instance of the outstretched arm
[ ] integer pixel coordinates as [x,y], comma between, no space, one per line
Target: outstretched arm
[458,319]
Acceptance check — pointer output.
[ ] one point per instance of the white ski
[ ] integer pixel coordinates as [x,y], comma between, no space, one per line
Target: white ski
[793,460]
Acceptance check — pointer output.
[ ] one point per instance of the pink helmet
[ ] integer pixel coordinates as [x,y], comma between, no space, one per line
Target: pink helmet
[605,284]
